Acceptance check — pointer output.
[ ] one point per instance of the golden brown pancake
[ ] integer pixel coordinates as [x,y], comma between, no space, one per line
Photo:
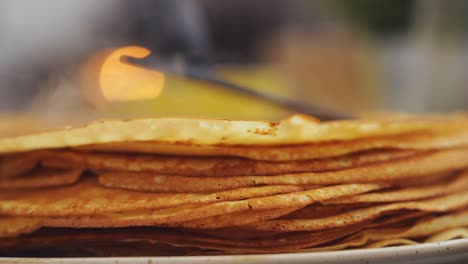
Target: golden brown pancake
[199,166]
[453,233]
[421,140]
[460,183]
[88,197]
[415,167]
[234,187]
[235,219]
[41,178]
[16,165]
[442,204]
[297,129]
[424,228]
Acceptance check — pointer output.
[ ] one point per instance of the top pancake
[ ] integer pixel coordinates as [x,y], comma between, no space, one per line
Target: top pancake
[297,129]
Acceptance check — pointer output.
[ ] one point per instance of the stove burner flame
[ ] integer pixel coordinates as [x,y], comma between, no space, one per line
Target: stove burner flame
[118,81]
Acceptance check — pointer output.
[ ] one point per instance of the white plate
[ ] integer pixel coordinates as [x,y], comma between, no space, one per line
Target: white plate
[455,251]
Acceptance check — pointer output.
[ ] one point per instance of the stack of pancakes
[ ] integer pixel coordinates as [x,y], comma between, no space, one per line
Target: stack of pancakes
[178,186]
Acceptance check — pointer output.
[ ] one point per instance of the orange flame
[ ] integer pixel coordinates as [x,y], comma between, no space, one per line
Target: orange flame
[118,81]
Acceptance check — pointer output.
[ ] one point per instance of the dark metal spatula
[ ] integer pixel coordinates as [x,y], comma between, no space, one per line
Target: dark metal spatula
[207,75]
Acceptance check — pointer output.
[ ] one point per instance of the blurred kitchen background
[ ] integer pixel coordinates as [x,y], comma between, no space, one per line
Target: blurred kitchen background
[60,59]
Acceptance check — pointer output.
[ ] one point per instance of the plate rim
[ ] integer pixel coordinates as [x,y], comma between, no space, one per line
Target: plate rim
[442,249]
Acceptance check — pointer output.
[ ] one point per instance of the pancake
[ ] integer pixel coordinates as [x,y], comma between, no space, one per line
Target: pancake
[297,129]
[234,219]
[181,238]
[212,166]
[15,165]
[88,197]
[392,243]
[420,140]
[454,233]
[414,167]
[441,204]
[164,217]
[458,184]
[41,178]
[421,229]
[179,214]
[212,186]
[15,226]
